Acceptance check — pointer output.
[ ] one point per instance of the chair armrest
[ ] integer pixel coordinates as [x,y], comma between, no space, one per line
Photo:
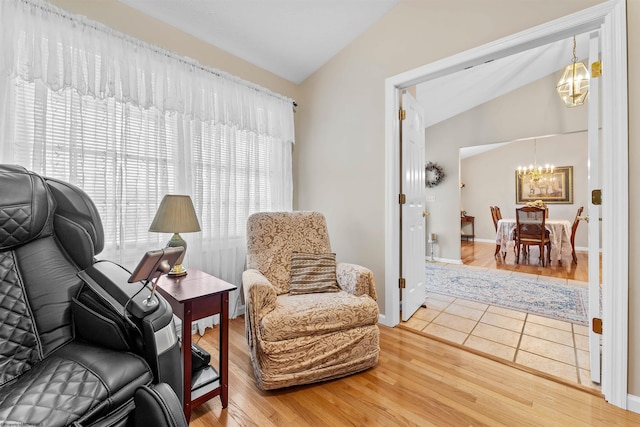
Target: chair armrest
[259,298]
[151,329]
[110,280]
[158,406]
[259,293]
[356,279]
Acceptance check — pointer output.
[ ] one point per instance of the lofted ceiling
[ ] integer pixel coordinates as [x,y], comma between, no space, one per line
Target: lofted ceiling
[294,38]
[456,93]
[290,38]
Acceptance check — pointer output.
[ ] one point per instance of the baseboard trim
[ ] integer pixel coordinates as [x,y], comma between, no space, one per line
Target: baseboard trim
[484,240]
[382,319]
[444,260]
[633,403]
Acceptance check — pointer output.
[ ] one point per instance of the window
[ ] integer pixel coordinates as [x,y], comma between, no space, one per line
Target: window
[128,123]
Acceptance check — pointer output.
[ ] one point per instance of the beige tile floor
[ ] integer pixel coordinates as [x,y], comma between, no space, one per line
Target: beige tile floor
[548,345]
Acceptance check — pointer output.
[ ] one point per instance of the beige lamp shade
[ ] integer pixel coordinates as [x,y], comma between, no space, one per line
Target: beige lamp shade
[175,214]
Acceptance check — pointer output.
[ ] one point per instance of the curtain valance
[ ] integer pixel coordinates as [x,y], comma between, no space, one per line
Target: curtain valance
[38,44]
[129,123]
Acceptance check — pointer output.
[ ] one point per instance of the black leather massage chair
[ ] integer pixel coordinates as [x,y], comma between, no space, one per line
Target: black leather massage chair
[74,351]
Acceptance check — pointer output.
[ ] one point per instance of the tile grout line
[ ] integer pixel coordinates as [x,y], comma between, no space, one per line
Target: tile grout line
[521,333]
[524,324]
[476,325]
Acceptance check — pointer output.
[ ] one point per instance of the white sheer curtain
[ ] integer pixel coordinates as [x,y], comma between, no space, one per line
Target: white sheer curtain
[129,122]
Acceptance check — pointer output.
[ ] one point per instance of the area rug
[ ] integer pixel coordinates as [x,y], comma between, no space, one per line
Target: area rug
[554,300]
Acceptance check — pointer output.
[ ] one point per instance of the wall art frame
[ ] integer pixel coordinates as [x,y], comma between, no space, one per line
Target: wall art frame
[557,190]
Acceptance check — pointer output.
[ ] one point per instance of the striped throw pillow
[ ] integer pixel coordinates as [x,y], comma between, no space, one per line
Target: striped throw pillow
[312,273]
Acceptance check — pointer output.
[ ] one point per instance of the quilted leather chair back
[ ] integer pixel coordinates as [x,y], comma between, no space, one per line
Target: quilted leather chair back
[37,274]
[25,207]
[273,236]
[77,222]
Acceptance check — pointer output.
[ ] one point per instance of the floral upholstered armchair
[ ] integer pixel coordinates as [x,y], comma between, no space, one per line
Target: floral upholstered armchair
[308,319]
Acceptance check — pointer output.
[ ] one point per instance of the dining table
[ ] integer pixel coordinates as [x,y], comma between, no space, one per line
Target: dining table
[559,233]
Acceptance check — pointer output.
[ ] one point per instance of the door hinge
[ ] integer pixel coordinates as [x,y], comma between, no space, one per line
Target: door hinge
[596,325]
[402,114]
[402,199]
[596,70]
[596,197]
[402,283]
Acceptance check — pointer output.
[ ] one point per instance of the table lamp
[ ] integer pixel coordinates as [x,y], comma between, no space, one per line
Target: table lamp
[176,215]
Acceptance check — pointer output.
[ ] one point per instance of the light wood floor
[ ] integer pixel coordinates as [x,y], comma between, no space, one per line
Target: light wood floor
[418,382]
[480,254]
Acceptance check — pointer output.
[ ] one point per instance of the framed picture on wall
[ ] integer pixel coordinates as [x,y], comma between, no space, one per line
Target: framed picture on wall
[555,188]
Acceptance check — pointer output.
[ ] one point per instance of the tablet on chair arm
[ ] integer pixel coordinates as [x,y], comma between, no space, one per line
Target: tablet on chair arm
[154,263]
[120,288]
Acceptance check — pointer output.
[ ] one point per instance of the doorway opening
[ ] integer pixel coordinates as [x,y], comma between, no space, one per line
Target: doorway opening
[610,19]
[524,313]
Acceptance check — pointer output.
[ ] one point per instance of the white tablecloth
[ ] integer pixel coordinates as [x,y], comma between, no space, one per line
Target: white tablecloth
[560,230]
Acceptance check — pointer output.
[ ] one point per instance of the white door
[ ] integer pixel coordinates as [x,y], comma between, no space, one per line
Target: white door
[412,238]
[594,211]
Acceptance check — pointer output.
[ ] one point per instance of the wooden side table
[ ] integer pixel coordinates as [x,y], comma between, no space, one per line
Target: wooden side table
[192,297]
[468,219]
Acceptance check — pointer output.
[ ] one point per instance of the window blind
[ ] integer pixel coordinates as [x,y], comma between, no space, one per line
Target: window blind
[128,123]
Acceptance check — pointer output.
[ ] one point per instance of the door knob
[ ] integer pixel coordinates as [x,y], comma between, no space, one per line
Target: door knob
[425,214]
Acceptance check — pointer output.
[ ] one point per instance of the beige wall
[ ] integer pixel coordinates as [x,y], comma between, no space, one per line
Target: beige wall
[339,154]
[531,111]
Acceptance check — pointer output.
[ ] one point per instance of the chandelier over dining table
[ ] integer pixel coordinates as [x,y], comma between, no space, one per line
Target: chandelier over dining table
[534,174]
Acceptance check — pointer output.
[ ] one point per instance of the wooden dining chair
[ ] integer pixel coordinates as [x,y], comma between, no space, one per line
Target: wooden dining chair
[531,231]
[493,217]
[574,227]
[496,215]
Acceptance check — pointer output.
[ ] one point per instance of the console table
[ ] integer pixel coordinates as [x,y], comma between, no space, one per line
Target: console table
[192,297]
[465,219]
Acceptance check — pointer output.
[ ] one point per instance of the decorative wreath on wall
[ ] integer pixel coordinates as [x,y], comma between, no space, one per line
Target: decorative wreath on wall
[434,174]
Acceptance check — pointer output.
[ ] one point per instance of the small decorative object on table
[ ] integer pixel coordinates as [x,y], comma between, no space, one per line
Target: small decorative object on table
[540,204]
[537,204]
